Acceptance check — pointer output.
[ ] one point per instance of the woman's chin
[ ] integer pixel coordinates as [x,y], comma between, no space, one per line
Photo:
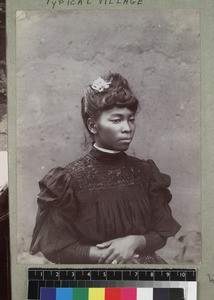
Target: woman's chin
[123,147]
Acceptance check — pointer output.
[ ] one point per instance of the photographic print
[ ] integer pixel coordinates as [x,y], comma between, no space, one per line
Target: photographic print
[108,137]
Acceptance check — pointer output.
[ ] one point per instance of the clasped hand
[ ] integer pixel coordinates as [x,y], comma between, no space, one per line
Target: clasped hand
[122,250]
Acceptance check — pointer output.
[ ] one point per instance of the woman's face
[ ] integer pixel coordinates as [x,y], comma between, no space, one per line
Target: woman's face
[114,129]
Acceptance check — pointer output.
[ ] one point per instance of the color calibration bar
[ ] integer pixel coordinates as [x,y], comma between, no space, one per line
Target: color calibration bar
[85,279]
[112,294]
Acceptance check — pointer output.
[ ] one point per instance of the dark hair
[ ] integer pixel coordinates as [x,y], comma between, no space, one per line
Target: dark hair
[117,93]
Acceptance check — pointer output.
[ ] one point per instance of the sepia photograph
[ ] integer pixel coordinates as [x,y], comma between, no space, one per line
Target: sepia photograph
[108,137]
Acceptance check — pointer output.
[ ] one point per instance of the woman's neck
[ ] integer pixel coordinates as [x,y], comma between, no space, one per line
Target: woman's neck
[105,150]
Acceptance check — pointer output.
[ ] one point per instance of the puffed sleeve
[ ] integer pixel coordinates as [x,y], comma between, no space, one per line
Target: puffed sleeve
[162,220]
[54,232]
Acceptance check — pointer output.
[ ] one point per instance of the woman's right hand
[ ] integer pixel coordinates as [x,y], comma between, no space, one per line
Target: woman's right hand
[121,250]
[95,253]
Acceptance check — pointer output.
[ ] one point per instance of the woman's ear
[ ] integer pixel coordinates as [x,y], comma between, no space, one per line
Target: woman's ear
[91,126]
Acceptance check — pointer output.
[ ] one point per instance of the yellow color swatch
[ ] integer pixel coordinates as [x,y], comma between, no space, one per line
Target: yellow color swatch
[96,294]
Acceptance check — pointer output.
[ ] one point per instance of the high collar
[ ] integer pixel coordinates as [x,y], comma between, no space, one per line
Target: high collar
[107,157]
[105,150]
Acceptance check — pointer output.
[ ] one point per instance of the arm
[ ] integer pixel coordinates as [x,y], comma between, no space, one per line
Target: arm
[81,254]
[55,234]
[72,254]
[163,224]
[77,253]
[154,241]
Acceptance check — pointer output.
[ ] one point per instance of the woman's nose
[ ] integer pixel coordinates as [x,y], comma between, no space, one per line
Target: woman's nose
[126,127]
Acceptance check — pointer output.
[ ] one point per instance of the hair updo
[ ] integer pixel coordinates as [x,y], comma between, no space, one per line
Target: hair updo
[116,93]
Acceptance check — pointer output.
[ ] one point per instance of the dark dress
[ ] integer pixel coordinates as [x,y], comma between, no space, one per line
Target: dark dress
[101,197]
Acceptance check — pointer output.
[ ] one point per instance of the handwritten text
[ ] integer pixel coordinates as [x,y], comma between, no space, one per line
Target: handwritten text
[54,3]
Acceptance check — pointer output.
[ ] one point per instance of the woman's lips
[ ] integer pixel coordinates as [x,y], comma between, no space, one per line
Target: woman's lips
[126,140]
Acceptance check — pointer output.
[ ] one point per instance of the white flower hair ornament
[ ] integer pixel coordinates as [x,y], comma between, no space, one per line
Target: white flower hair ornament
[100,84]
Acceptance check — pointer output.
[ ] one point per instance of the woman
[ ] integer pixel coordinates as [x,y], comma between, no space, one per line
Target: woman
[107,207]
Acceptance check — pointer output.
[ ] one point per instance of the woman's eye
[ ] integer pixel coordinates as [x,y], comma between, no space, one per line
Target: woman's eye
[132,120]
[115,121]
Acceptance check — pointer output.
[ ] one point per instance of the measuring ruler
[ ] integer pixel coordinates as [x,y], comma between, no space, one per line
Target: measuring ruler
[90,278]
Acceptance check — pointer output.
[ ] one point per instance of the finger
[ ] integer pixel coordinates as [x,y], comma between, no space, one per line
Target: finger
[123,260]
[104,245]
[135,261]
[113,258]
[105,256]
[127,256]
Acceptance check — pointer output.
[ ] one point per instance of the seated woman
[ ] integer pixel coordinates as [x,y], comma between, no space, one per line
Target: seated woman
[107,207]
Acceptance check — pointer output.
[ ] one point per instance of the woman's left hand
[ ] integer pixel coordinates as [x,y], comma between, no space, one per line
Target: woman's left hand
[121,250]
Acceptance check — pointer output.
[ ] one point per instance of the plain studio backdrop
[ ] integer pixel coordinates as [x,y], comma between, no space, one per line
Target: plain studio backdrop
[158,52]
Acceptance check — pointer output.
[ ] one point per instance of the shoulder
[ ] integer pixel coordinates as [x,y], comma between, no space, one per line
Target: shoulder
[55,174]
[59,176]
[138,161]
[146,165]
[78,165]
[159,179]
[151,171]
[55,181]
